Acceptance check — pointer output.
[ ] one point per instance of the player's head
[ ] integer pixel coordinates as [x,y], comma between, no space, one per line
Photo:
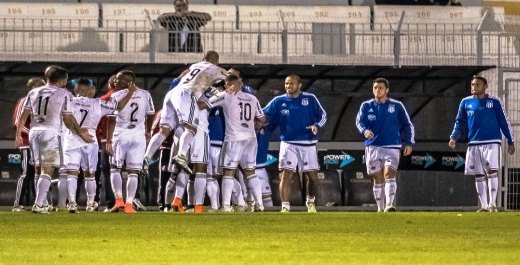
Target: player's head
[111,84]
[124,78]
[84,87]
[56,75]
[380,88]
[235,71]
[478,85]
[293,85]
[180,5]
[212,57]
[233,83]
[35,82]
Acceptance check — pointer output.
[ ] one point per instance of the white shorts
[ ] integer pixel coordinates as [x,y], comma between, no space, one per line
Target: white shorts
[168,117]
[379,157]
[214,168]
[239,153]
[129,148]
[303,156]
[199,150]
[185,106]
[85,157]
[46,147]
[262,175]
[480,159]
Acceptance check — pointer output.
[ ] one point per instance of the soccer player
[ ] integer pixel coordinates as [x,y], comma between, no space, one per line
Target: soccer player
[486,120]
[241,112]
[27,171]
[88,111]
[300,116]
[50,107]
[126,141]
[194,122]
[384,122]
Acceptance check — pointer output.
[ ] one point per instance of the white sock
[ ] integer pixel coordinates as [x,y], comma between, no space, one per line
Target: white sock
[480,183]
[212,192]
[42,188]
[255,189]
[131,187]
[493,188]
[390,189]
[237,194]
[62,190]
[191,192]
[200,188]
[378,189]
[227,190]
[185,142]
[169,191]
[117,182]
[180,186]
[267,199]
[72,187]
[310,199]
[154,144]
[286,205]
[90,187]
[36,177]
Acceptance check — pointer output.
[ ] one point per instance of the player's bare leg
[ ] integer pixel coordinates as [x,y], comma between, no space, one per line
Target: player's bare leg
[285,188]
[312,186]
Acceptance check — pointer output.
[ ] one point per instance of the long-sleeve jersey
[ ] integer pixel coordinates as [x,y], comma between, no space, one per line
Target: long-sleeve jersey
[484,119]
[294,116]
[388,121]
[262,139]
[17,113]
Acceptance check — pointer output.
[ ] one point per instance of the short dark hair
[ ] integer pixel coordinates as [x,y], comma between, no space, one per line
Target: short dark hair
[297,77]
[382,80]
[236,70]
[480,78]
[84,81]
[231,78]
[55,73]
[128,73]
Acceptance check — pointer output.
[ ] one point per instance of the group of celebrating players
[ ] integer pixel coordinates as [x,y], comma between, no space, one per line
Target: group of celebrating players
[218,132]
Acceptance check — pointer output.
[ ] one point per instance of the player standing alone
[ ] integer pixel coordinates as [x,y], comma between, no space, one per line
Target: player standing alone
[300,116]
[486,120]
[384,122]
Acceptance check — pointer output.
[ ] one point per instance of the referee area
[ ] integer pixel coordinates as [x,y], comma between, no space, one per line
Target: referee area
[428,53]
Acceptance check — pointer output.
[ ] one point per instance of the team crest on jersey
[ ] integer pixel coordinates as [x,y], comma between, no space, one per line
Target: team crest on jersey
[391,108]
[489,104]
[305,102]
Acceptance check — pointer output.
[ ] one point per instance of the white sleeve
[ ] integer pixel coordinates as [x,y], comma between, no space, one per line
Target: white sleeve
[151,108]
[259,111]
[107,107]
[119,95]
[216,100]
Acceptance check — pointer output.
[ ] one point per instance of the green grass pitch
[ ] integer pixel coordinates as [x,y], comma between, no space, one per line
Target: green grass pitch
[260,238]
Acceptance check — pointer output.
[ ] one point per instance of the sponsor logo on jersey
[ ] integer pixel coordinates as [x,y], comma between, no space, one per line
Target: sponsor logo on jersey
[470,106]
[470,112]
[305,102]
[244,125]
[371,117]
[284,112]
[489,104]
[284,105]
[391,108]
[370,110]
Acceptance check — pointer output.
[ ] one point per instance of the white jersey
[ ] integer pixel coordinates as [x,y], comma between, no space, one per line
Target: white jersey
[47,105]
[132,118]
[88,112]
[200,77]
[240,111]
